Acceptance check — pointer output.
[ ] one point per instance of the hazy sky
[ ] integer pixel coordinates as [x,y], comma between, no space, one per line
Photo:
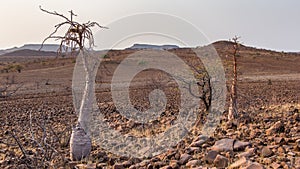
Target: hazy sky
[271,24]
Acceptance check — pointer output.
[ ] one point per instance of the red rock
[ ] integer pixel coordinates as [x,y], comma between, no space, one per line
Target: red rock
[118,166]
[253,166]
[277,127]
[240,145]
[297,162]
[184,158]
[198,143]
[221,161]
[248,153]
[275,165]
[266,152]
[239,163]
[193,163]
[210,157]
[223,145]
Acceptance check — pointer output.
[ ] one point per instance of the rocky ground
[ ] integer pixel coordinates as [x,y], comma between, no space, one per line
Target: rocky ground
[36,121]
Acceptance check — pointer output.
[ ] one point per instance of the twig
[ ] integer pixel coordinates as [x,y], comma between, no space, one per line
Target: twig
[76,34]
[18,142]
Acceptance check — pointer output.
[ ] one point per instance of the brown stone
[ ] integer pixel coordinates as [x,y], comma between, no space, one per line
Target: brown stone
[266,152]
[221,161]
[253,166]
[198,143]
[239,163]
[86,166]
[118,166]
[297,162]
[174,164]
[248,153]
[193,163]
[223,145]
[277,127]
[191,150]
[279,140]
[184,158]
[240,145]
[275,165]
[281,150]
[210,157]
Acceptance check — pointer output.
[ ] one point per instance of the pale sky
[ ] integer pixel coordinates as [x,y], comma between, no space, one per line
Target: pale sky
[270,24]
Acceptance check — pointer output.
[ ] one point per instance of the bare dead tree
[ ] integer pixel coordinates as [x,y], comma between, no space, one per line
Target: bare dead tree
[233,110]
[204,85]
[75,38]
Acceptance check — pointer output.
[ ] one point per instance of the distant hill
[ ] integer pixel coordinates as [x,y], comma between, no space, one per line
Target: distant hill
[29,52]
[156,47]
[46,48]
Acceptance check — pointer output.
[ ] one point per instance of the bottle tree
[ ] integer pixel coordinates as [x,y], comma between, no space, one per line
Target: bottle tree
[78,39]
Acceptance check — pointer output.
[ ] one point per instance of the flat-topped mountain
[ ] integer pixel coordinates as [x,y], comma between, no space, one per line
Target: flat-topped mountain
[157,47]
[35,47]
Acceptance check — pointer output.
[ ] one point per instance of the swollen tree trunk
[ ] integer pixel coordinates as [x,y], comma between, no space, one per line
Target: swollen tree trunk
[80,143]
[233,111]
[75,38]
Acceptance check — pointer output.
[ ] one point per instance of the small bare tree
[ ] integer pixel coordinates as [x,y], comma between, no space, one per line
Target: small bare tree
[233,110]
[75,38]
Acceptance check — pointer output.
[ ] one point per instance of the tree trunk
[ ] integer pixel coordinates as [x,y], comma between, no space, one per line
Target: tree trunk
[232,111]
[80,143]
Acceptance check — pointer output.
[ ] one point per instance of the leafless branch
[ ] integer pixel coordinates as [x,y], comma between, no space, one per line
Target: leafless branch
[76,34]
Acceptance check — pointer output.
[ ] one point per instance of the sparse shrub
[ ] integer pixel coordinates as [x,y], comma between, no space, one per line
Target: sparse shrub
[269,82]
[142,63]
[105,56]
[18,68]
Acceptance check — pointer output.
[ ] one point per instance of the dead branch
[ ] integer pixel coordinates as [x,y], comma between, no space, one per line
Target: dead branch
[76,35]
[204,84]
[11,133]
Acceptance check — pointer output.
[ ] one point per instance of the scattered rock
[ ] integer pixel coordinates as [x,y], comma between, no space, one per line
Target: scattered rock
[191,150]
[240,145]
[239,163]
[297,162]
[159,164]
[277,127]
[174,164]
[253,166]
[86,166]
[101,165]
[193,163]
[221,161]
[127,164]
[144,163]
[284,165]
[267,161]
[223,145]
[248,153]
[281,151]
[279,140]
[275,165]
[297,145]
[210,157]
[291,154]
[118,166]
[184,158]
[266,152]
[198,143]
[166,167]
